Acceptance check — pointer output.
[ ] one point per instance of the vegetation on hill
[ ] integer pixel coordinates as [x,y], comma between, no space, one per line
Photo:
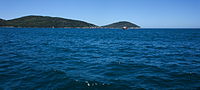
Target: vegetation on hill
[57,22]
[46,21]
[121,25]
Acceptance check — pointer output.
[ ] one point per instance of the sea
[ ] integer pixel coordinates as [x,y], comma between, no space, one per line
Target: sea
[99,59]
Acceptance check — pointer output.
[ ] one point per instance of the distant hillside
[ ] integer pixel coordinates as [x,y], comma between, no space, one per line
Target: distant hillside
[2,22]
[45,21]
[121,25]
[57,22]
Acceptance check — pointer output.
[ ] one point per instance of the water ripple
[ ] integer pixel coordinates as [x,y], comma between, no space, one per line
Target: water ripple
[37,58]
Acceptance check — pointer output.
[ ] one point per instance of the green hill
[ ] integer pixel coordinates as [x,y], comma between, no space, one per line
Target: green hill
[121,25]
[57,22]
[45,21]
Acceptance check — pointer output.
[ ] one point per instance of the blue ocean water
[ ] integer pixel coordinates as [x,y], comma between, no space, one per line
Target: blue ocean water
[41,58]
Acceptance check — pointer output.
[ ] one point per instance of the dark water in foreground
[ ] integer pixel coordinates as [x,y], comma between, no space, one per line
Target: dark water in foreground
[99,58]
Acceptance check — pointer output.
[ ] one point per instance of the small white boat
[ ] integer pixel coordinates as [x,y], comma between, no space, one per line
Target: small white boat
[124,28]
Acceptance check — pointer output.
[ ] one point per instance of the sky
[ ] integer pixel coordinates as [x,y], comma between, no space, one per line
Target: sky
[145,13]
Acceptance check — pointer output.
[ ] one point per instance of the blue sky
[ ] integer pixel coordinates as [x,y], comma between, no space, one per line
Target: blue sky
[146,13]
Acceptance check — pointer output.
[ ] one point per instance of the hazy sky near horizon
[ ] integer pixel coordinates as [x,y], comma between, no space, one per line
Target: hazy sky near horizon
[146,13]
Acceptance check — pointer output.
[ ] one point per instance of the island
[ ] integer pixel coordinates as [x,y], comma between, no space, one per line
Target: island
[34,21]
[45,22]
[122,25]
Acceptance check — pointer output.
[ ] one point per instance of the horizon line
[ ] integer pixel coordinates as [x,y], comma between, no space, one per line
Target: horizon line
[99,25]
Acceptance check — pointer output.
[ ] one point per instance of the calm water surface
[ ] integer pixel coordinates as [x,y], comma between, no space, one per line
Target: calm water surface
[39,58]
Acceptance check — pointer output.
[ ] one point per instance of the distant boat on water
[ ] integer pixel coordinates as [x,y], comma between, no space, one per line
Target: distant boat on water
[124,28]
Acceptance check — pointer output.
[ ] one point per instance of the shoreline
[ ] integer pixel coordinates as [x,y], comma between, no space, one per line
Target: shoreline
[70,27]
[94,28]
